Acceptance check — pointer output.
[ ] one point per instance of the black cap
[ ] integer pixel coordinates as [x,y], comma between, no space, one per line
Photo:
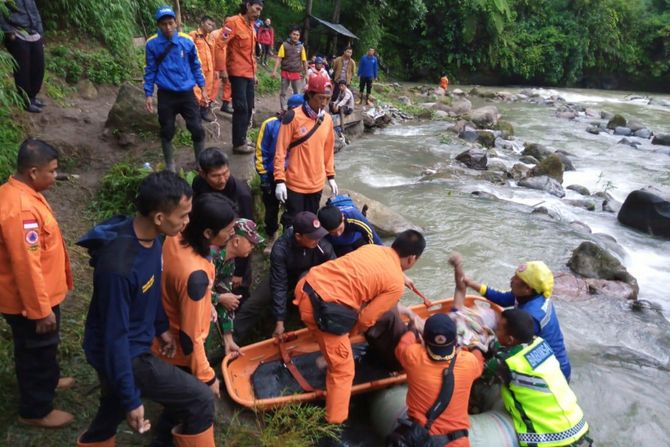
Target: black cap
[439,334]
[308,224]
[330,217]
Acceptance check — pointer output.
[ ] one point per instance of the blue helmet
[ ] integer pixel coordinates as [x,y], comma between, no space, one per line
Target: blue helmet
[295,101]
[165,11]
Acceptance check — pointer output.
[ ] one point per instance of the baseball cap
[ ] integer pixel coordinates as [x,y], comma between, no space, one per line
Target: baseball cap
[296,101]
[319,60]
[164,11]
[247,228]
[439,334]
[330,217]
[308,224]
[319,85]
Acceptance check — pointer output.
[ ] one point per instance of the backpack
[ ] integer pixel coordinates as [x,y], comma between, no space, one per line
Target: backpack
[343,201]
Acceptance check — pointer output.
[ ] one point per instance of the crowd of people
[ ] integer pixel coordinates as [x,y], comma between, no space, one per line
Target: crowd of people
[174,282]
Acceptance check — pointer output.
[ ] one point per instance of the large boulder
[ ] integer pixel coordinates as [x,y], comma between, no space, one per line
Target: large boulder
[551,166]
[544,183]
[386,222]
[646,212]
[519,171]
[616,121]
[568,165]
[592,261]
[460,106]
[583,190]
[536,150]
[485,117]
[473,159]
[570,287]
[506,128]
[643,133]
[486,138]
[128,114]
[87,89]
[662,139]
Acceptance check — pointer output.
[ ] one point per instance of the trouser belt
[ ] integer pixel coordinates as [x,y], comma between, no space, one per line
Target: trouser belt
[450,437]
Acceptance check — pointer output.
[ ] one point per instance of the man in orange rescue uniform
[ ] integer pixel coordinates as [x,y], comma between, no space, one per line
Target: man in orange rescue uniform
[203,39]
[226,95]
[306,144]
[364,284]
[235,60]
[35,277]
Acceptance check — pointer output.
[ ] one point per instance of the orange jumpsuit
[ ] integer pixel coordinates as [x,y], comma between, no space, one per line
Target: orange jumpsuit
[235,49]
[226,95]
[369,279]
[444,82]
[424,381]
[309,163]
[186,287]
[35,270]
[205,45]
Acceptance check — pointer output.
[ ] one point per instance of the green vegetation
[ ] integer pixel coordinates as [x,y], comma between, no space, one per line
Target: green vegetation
[117,191]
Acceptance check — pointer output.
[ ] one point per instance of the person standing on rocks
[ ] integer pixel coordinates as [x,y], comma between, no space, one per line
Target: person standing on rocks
[266,37]
[306,143]
[236,61]
[293,59]
[35,277]
[367,72]
[172,64]
[202,38]
[23,32]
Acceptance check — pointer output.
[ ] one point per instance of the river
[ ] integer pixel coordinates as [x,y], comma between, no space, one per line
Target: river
[620,357]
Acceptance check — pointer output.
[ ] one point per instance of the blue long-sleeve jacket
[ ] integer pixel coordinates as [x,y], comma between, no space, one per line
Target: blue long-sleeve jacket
[545,318]
[180,70]
[126,311]
[367,67]
[265,148]
[357,232]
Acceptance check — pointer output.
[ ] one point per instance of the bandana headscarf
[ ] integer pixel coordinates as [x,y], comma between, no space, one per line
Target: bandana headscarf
[537,276]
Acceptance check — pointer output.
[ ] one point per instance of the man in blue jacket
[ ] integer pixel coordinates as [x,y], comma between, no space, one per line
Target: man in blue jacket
[367,72]
[172,64]
[347,228]
[264,161]
[126,314]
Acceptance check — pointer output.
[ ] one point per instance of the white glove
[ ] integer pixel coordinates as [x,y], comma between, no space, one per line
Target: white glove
[333,186]
[280,192]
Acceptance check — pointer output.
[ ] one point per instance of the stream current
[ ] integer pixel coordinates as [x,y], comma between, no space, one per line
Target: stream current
[620,357]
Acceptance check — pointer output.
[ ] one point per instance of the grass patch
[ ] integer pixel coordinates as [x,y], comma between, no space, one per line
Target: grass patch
[117,191]
[11,135]
[266,83]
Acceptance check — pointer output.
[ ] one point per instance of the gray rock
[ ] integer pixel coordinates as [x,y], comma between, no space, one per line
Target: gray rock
[570,287]
[473,159]
[606,115]
[498,178]
[634,125]
[616,121]
[611,206]
[588,205]
[128,114]
[583,190]
[544,211]
[592,261]
[529,160]
[592,113]
[538,151]
[440,114]
[625,131]
[647,212]
[593,129]
[441,106]
[580,227]
[544,183]
[485,117]
[567,114]
[567,162]
[469,135]
[643,133]
[458,91]
[551,166]
[486,138]
[496,164]
[519,171]
[460,106]
[126,139]
[661,139]
[506,129]
[483,195]
[87,89]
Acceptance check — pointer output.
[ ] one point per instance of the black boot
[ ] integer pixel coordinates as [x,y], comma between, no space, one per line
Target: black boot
[168,152]
[225,107]
[198,147]
[207,114]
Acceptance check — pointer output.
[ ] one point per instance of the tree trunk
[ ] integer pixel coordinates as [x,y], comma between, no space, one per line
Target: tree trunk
[305,33]
[336,19]
[177,11]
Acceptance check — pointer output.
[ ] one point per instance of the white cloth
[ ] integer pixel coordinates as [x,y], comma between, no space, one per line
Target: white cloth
[333,186]
[345,99]
[475,325]
[280,192]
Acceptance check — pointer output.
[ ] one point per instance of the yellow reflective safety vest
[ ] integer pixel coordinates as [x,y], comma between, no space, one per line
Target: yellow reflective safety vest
[539,399]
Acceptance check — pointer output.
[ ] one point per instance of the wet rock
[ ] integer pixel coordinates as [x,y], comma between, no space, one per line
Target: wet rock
[475,91]
[625,131]
[609,242]
[485,117]
[483,195]
[567,114]
[616,121]
[592,113]
[404,100]
[519,171]
[544,183]
[529,160]
[646,212]
[606,115]
[498,178]
[536,150]
[460,106]
[473,159]
[506,128]
[593,129]
[422,115]
[634,125]
[583,190]
[544,211]
[505,96]
[592,261]
[440,114]
[567,162]
[551,166]
[128,114]
[496,164]
[661,139]
[506,145]
[643,133]
[458,92]
[588,205]
[611,206]
[570,287]
[441,106]
[627,142]
[580,227]
[87,89]
[486,138]
[469,135]
[439,91]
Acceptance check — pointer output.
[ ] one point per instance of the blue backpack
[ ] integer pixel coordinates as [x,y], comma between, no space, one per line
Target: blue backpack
[343,201]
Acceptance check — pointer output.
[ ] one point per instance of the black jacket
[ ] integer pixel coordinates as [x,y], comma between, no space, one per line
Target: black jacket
[23,15]
[288,262]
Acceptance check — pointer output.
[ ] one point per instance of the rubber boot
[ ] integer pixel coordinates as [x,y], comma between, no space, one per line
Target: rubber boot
[202,439]
[198,147]
[168,152]
[225,108]
[111,442]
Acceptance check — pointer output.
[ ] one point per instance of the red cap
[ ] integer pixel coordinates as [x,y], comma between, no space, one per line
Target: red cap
[319,85]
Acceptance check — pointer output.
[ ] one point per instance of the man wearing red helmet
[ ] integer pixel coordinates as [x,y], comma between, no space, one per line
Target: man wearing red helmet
[305,157]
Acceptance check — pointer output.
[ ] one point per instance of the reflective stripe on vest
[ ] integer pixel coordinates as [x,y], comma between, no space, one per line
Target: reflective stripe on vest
[542,405]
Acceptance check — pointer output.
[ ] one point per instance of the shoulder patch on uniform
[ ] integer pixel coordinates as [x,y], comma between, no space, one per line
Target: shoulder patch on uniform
[186,343]
[198,283]
[152,38]
[186,36]
[539,354]
[288,117]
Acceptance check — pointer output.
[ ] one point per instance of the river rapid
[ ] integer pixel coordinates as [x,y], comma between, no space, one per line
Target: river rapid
[620,357]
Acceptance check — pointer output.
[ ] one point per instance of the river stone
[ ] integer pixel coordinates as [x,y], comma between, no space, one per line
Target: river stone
[529,160]
[128,114]
[606,115]
[611,206]
[580,227]
[567,114]
[486,138]
[386,222]
[458,91]
[592,261]
[551,166]
[661,139]
[87,89]
[484,195]
[627,142]
[625,131]
[544,211]
[588,205]
[496,164]
[570,287]
[536,150]
[583,190]
[646,212]
[595,130]
[643,133]
[441,106]
[473,159]
[404,100]
[440,114]
[567,162]
[519,171]
[616,121]
[544,183]
[460,106]
[485,117]
[498,178]
[635,125]
[506,128]
[469,135]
